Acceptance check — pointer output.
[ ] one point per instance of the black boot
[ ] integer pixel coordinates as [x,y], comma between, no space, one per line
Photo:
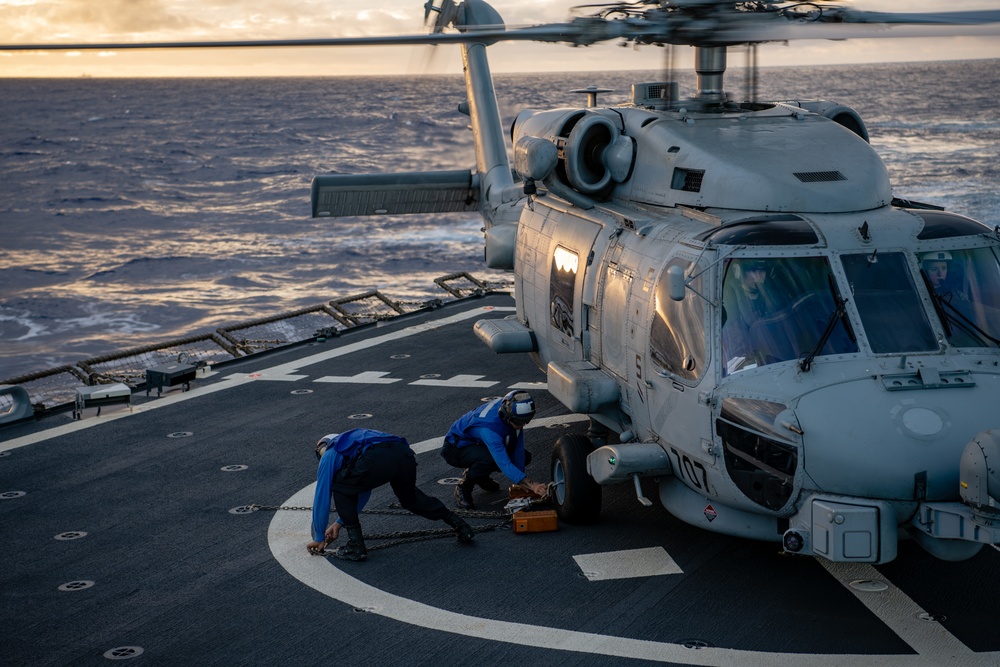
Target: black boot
[355,548]
[464,530]
[487,484]
[463,493]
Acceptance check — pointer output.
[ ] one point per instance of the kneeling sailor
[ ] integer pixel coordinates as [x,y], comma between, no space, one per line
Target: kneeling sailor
[353,463]
[491,439]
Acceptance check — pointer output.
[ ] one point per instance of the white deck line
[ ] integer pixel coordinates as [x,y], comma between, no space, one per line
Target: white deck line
[895,608]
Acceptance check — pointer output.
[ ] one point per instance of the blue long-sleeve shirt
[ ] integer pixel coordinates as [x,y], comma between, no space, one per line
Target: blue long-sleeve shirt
[338,452]
[484,425]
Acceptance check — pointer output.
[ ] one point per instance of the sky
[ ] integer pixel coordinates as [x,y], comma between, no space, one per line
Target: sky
[50,21]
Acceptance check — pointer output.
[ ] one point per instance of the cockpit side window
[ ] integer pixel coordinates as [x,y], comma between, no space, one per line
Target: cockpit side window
[892,314]
[677,337]
[965,288]
[777,309]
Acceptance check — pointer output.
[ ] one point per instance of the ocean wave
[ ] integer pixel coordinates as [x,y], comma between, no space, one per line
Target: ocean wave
[19,326]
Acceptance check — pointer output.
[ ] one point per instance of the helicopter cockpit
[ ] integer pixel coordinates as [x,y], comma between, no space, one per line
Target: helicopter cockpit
[909,302]
[778,309]
[965,288]
[785,308]
[780,301]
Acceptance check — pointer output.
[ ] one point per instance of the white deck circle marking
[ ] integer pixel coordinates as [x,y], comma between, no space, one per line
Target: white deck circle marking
[288,533]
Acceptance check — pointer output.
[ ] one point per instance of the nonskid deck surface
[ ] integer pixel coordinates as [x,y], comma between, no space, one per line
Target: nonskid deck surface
[126,537]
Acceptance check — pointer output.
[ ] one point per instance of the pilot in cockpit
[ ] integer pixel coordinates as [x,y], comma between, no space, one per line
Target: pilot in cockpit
[745,301]
[945,277]
[936,265]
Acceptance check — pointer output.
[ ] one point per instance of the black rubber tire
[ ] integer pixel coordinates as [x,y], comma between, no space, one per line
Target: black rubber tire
[578,497]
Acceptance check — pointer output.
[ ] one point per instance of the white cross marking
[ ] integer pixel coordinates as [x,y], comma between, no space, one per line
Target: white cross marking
[458,381]
[367,377]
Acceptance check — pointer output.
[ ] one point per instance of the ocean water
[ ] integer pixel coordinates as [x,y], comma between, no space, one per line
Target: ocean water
[136,211]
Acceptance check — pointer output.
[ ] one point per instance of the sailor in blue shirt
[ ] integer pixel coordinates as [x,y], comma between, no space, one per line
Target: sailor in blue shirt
[490,439]
[353,463]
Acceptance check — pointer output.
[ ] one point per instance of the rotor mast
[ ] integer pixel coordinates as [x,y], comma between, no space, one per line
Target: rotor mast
[709,66]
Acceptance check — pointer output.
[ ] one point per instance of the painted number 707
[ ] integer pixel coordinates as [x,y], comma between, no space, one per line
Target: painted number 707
[692,471]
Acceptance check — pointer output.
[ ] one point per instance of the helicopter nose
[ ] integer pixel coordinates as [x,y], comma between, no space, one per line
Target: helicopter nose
[875,437]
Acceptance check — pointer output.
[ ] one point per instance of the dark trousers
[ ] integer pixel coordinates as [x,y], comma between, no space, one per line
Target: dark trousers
[475,458]
[390,463]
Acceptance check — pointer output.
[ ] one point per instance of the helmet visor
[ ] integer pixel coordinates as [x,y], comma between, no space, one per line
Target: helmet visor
[518,422]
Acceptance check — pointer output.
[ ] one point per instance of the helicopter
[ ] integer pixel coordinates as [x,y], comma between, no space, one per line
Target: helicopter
[727,289]
[720,317]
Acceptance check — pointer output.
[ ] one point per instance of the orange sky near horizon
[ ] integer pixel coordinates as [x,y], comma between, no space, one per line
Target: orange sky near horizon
[49,21]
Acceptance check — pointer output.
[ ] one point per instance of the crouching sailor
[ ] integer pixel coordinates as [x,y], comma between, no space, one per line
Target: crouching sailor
[490,439]
[353,463]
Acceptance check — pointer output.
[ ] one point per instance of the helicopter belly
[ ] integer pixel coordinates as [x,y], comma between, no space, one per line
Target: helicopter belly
[694,508]
[896,445]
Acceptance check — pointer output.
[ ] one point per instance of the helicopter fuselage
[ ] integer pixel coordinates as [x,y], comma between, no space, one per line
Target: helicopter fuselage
[793,354]
[763,446]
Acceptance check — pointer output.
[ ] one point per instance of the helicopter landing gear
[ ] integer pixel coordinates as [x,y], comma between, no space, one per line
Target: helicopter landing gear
[577,496]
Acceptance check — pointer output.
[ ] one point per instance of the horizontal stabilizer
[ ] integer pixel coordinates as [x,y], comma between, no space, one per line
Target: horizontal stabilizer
[338,195]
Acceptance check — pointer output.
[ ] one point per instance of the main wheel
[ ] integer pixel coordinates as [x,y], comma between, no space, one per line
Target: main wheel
[577,496]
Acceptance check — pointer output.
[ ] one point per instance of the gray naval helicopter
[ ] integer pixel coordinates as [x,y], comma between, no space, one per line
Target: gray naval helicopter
[793,354]
[790,352]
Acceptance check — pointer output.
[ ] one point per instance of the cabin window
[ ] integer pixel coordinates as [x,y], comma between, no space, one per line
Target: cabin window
[562,289]
[892,314]
[777,309]
[677,337]
[965,288]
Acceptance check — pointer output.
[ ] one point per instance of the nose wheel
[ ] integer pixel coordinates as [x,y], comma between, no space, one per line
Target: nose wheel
[576,496]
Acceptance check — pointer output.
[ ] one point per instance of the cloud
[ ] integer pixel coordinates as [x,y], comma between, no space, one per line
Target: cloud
[87,19]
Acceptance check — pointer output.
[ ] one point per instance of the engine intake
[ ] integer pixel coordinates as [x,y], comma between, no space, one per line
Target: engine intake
[592,152]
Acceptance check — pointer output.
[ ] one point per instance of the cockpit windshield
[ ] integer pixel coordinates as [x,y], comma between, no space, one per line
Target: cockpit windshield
[776,309]
[886,298]
[965,287]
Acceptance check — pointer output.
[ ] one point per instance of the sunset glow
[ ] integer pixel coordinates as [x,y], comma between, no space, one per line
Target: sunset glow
[77,21]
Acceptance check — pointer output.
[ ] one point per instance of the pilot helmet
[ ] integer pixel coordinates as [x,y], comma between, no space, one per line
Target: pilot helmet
[936,256]
[754,264]
[324,443]
[517,408]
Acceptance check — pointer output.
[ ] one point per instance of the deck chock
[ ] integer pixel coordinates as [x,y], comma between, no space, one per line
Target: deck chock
[169,375]
[535,521]
[20,407]
[101,395]
[527,516]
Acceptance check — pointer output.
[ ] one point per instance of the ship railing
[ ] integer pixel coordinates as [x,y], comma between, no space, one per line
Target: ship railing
[57,388]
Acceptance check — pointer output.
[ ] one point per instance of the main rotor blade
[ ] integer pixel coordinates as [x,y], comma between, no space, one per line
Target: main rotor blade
[727,27]
[972,17]
[842,31]
[547,33]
